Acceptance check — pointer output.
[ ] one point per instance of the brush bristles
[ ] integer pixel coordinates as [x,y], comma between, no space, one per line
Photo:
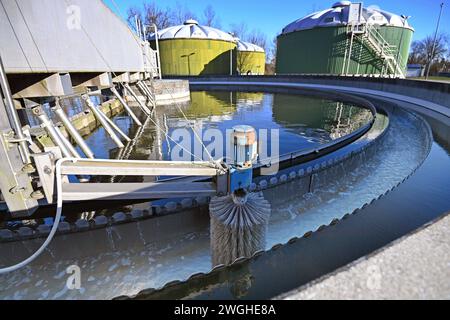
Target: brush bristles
[238,230]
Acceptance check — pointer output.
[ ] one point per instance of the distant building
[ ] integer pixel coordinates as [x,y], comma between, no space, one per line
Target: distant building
[415,71]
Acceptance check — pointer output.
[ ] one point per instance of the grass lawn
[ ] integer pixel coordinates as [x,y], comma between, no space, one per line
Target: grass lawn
[441,79]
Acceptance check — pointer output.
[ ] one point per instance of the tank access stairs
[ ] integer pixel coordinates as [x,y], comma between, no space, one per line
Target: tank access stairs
[369,36]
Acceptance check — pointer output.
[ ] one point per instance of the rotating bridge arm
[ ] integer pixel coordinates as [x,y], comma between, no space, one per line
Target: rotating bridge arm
[135,191]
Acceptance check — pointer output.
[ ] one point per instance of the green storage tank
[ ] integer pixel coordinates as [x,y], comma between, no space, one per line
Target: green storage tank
[250,59]
[347,39]
[192,50]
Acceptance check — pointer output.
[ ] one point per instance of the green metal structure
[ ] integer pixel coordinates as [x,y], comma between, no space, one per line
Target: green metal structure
[330,42]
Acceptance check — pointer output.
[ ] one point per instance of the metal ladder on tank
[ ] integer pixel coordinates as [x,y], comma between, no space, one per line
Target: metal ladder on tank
[370,37]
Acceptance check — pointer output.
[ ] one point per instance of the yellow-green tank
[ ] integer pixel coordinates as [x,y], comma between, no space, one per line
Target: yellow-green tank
[192,50]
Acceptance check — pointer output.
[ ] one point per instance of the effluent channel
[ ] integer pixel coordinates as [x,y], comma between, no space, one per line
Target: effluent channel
[390,180]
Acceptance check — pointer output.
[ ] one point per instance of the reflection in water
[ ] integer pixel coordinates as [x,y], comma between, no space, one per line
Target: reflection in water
[304,122]
[319,119]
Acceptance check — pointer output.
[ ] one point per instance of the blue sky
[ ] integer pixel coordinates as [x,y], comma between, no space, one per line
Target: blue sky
[270,16]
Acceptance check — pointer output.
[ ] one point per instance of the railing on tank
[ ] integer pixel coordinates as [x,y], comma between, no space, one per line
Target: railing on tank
[380,45]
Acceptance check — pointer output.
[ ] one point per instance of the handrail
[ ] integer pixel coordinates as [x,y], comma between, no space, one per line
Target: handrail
[386,50]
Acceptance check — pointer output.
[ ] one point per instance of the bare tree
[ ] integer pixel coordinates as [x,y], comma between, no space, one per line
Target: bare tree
[239,30]
[156,15]
[257,37]
[422,52]
[210,18]
[151,14]
[181,13]
[132,13]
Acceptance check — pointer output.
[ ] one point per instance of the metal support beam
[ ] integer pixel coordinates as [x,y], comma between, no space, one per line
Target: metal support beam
[126,106]
[114,126]
[157,50]
[15,183]
[147,92]
[49,127]
[136,98]
[54,85]
[67,143]
[12,115]
[72,131]
[136,191]
[103,122]
[138,168]
[103,80]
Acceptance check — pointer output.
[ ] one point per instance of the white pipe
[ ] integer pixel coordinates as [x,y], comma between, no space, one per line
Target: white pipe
[72,131]
[157,51]
[55,224]
[126,106]
[114,126]
[69,146]
[136,98]
[104,123]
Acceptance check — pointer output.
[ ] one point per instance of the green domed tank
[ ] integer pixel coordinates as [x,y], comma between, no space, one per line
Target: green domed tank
[346,39]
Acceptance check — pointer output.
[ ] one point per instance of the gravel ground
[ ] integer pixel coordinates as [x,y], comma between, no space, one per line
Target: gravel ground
[416,267]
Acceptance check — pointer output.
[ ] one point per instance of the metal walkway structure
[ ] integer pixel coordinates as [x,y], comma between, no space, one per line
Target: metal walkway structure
[369,37]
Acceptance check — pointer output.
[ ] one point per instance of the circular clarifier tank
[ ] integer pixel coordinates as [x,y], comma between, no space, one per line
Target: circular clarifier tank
[172,245]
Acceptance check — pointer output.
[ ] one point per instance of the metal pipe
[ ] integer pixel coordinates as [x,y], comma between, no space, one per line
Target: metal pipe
[149,93]
[67,143]
[143,88]
[434,41]
[125,105]
[72,131]
[104,123]
[114,126]
[133,94]
[157,50]
[350,54]
[48,125]
[13,117]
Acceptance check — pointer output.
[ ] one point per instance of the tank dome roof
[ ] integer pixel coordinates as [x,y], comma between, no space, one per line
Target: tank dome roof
[247,46]
[338,15]
[191,29]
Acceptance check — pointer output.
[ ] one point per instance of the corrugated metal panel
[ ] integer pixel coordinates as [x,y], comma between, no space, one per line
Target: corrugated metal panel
[53,36]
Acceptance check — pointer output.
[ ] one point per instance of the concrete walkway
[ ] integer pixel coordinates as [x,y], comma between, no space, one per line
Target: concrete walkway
[415,267]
